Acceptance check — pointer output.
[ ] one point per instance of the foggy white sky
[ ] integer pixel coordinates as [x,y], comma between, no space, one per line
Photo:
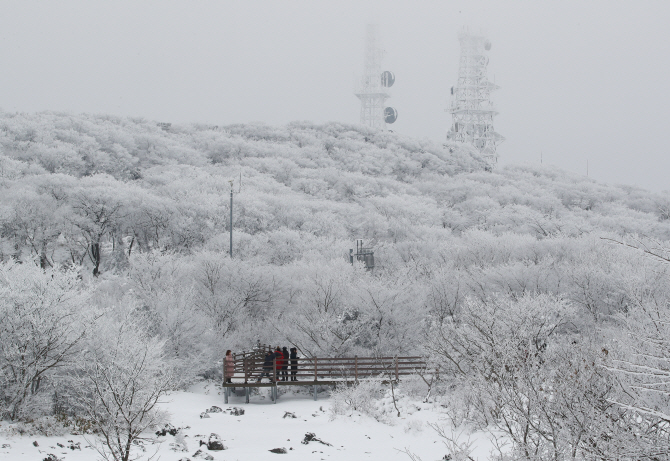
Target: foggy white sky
[580,79]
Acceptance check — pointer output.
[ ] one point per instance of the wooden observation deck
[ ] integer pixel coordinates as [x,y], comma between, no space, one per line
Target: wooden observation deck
[250,371]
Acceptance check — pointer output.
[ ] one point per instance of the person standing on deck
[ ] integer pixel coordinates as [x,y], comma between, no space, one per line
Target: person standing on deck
[284,368]
[280,362]
[267,367]
[294,364]
[229,366]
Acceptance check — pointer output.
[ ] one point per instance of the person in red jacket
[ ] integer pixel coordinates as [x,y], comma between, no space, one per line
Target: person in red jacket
[280,360]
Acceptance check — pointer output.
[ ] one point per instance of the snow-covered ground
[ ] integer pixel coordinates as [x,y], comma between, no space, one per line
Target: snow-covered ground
[263,427]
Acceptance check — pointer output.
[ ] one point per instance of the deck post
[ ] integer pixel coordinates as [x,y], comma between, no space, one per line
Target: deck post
[246,395]
[225,395]
[246,370]
[274,369]
[356,368]
[315,392]
[276,392]
[316,378]
[396,368]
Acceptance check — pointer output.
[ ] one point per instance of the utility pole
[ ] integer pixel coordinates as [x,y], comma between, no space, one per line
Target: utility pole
[231,219]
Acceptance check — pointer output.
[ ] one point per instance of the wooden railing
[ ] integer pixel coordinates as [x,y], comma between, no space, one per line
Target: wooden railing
[249,368]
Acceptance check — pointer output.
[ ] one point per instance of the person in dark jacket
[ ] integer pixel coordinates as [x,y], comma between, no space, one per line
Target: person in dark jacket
[294,364]
[284,368]
[267,367]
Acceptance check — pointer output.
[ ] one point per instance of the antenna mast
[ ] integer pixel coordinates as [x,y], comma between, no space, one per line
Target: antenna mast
[471,107]
[372,87]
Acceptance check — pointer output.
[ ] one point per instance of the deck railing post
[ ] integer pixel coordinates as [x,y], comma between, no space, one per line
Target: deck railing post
[356,368]
[274,371]
[316,377]
[396,368]
[246,370]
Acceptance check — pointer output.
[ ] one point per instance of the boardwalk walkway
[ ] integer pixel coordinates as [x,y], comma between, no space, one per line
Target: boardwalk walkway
[314,371]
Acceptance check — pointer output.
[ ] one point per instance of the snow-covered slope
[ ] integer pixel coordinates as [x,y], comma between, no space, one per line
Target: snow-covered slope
[262,428]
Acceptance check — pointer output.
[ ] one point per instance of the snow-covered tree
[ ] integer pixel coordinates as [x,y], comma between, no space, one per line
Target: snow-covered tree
[122,378]
[523,368]
[43,321]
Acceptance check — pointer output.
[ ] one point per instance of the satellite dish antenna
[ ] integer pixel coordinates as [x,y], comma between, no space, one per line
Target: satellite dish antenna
[388,79]
[390,115]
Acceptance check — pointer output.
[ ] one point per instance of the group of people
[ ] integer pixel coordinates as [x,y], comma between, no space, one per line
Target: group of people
[283,357]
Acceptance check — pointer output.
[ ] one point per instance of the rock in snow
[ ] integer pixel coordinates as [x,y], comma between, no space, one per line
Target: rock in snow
[204,414]
[214,443]
[279,451]
[236,411]
[214,409]
[74,446]
[178,447]
[202,455]
[168,429]
[311,437]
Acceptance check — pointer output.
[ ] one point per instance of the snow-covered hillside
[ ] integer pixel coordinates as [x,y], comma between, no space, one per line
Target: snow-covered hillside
[265,426]
[539,298]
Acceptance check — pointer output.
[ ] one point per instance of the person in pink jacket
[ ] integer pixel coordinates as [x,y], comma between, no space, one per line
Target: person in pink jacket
[229,366]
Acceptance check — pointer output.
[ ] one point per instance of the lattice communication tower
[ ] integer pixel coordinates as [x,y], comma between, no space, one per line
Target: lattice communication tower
[471,105]
[372,89]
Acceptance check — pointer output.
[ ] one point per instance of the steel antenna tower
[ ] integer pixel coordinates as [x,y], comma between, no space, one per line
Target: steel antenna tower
[372,89]
[471,107]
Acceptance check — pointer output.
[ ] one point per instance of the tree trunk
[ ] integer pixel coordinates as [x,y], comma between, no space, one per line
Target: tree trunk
[95,256]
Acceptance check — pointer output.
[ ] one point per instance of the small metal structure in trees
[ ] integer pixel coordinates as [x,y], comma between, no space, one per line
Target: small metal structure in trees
[471,107]
[363,254]
[372,89]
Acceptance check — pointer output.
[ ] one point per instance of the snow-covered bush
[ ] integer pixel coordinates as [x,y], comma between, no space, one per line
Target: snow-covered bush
[123,376]
[363,397]
[48,426]
[413,425]
[414,386]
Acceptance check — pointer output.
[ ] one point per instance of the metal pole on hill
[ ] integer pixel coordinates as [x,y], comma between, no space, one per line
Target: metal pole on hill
[231,219]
